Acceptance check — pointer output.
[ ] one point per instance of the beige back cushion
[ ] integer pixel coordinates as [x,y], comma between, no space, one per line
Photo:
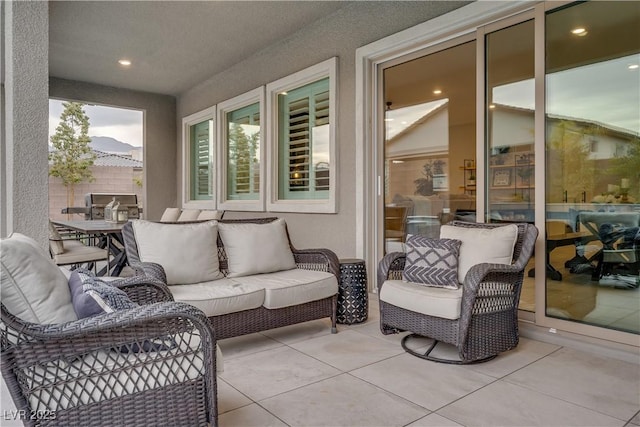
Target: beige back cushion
[207,214]
[187,252]
[256,248]
[189,215]
[33,287]
[480,245]
[170,215]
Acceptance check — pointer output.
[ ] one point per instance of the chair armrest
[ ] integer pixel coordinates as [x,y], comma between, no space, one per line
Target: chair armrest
[144,289]
[390,267]
[149,269]
[317,259]
[149,319]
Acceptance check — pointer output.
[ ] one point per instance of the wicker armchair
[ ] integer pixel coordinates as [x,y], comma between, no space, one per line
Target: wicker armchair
[142,366]
[488,321]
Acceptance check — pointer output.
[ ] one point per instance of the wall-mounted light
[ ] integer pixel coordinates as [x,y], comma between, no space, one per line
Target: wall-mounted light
[437,92]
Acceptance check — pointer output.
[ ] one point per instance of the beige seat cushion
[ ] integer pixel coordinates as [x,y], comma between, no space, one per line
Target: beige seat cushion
[77,252]
[220,296]
[292,287]
[438,302]
[33,287]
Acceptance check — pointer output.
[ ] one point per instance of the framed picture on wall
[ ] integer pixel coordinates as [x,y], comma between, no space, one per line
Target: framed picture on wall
[501,177]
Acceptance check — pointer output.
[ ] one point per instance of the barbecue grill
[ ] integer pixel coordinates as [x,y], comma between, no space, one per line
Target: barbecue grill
[95,203]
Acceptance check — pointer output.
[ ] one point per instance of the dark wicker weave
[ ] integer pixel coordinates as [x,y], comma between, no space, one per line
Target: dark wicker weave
[488,322]
[257,319]
[101,371]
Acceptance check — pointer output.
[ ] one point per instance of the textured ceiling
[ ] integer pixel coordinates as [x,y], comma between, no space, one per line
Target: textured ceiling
[173,45]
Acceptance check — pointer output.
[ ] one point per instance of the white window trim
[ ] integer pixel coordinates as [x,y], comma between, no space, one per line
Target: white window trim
[314,73]
[248,98]
[193,119]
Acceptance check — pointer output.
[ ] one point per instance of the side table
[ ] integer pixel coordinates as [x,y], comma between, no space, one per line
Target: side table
[352,293]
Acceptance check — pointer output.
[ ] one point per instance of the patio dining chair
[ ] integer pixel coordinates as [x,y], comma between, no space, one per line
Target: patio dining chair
[69,249]
[462,289]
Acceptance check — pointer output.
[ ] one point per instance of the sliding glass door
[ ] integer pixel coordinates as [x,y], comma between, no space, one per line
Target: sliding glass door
[592,117]
[470,120]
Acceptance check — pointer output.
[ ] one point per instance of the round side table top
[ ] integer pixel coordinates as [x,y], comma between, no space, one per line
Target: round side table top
[351,261]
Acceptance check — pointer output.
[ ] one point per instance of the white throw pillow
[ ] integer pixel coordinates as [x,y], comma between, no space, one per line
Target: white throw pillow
[187,252]
[33,287]
[480,245]
[189,215]
[170,215]
[256,248]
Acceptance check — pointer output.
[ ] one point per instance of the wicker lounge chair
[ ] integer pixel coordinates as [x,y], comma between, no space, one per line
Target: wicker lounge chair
[488,319]
[144,366]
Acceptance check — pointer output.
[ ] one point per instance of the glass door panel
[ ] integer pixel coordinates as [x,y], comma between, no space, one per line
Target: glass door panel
[593,163]
[430,143]
[509,112]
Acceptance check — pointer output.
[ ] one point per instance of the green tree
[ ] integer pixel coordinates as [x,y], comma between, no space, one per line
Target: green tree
[72,158]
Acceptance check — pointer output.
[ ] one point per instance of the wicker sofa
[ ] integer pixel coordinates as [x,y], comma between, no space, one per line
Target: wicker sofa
[246,303]
[144,365]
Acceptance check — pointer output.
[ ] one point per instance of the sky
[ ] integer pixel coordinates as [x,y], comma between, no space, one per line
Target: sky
[606,92]
[119,123]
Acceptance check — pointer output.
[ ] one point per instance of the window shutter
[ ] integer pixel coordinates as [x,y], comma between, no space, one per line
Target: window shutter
[201,187]
[298,142]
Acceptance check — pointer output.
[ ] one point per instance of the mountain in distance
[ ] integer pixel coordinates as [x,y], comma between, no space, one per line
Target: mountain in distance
[110,145]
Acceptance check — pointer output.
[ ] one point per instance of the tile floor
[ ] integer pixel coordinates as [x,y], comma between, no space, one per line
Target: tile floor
[302,375]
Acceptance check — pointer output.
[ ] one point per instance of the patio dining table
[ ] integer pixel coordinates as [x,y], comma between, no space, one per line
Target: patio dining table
[109,235]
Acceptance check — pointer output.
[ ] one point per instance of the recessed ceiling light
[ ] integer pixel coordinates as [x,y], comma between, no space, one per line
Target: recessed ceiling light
[388,120]
[633,66]
[437,92]
[580,31]
[124,62]
[492,106]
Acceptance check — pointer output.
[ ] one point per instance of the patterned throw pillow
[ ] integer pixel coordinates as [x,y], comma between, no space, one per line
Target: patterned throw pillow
[432,262]
[91,296]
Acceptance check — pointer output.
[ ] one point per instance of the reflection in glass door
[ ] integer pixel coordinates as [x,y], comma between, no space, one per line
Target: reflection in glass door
[430,143]
[593,164]
[509,112]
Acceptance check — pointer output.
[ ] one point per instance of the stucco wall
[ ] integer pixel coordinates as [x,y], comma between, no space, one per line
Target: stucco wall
[159,135]
[338,35]
[25,111]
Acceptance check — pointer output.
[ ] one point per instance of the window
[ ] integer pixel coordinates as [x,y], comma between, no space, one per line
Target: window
[198,155]
[302,140]
[241,152]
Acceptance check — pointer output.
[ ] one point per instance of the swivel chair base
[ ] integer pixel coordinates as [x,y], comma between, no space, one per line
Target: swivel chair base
[427,354]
